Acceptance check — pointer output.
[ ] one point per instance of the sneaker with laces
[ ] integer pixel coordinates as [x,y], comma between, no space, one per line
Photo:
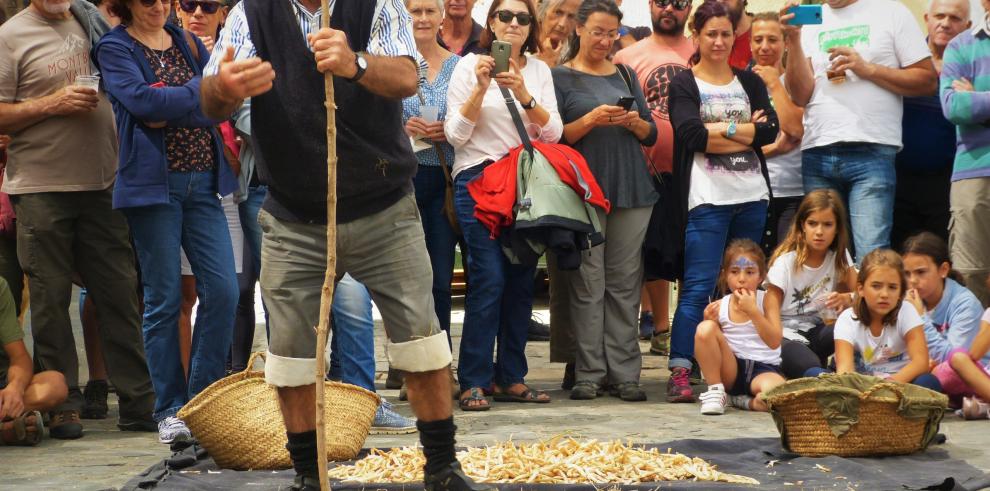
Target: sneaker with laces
[65,425]
[538,331]
[679,386]
[172,429]
[713,400]
[95,400]
[389,422]
[742,401]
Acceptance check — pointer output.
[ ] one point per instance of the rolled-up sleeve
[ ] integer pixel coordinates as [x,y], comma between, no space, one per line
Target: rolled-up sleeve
[235,34]
[392,34]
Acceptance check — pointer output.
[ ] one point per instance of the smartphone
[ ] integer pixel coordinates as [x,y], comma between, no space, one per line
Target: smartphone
[501,51]
[805,15]
[626,102]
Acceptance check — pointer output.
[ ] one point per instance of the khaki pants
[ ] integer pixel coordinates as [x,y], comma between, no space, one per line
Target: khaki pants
[969,233]
[386,252]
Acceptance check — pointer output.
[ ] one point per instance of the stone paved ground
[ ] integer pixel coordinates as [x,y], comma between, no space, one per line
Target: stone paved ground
[106,458]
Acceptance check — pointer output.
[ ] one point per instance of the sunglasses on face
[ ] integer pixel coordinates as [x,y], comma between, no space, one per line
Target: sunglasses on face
[678,4]
[505,16]
[189,6]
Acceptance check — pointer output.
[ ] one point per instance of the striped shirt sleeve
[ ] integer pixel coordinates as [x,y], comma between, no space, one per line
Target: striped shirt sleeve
[392,35]
[235,33]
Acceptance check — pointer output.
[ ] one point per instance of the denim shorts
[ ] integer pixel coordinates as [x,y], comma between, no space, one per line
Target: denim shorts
[747,370]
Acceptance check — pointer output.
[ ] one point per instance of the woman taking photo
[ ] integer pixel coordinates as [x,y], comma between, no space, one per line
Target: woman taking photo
[721,118]
[500,295]
[170,172]
[595,99]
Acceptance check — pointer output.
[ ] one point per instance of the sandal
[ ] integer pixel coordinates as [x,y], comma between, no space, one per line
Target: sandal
[25,430]
[527,395]
[476,396]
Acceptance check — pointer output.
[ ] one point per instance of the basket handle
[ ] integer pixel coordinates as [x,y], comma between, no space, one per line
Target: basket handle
[250,364]
[895,388]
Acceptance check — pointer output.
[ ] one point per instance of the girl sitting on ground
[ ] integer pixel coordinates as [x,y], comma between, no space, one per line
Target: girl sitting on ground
[877,337]
[968,374]
[950,311]
[807,272]
[738,343]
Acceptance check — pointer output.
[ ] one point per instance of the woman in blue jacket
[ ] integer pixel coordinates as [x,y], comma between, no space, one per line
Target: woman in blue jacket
[171,172]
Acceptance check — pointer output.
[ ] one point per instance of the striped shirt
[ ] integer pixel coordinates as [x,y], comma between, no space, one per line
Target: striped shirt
[391,32]
[968,56]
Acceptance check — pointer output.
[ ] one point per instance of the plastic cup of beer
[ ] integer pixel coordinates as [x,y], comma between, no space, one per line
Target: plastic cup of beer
[836,77]
[430,113]
[88,81]
[829,315]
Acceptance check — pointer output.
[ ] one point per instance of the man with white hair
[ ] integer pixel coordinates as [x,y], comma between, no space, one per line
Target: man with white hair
[61,165]
[924,166]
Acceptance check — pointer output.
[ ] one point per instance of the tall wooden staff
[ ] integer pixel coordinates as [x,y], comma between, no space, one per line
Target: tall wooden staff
[326,296]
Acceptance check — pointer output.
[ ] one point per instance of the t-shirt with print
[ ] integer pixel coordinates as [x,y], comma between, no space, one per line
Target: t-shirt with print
[883,355]
[62,153]
[725,179]
[804,289]
[883,32]
[656,63]
[10,330]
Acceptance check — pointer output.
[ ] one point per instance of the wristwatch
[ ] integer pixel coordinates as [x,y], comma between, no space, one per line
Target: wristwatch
[362,65]
[531,104]
[731,130]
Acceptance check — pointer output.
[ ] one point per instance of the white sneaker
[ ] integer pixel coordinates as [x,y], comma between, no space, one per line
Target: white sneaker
[713,400]
[172,429]
[742,401]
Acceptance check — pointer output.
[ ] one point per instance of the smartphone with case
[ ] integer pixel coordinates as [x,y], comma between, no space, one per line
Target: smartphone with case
[805,15]
[501,51]
[626,102]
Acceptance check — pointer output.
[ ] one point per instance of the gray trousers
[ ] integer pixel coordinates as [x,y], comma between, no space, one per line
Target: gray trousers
[605,295]
[969,233]
[562,344]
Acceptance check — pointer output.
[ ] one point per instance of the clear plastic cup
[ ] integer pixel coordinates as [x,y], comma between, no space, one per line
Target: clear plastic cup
[430,113]
[88,81]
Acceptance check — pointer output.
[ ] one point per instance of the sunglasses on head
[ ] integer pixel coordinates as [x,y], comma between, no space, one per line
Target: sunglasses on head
[506,16]
[678,4]
[190,6]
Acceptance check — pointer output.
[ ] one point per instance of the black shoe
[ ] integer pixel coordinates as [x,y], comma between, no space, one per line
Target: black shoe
[144,424]
[95,395]
[628,391]
[305,483]
[538,331]
[452,478]
[65,425]
[394,379]
[569,377]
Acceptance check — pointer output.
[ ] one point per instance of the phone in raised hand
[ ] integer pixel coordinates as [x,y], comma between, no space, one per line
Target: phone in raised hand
[501,51]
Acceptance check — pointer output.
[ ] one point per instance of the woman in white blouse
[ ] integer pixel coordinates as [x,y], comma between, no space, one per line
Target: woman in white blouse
[500,295]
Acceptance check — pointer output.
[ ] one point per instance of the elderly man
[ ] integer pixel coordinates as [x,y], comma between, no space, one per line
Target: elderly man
[60,172]
[860,62]
[924,166]
[965,92]
[459,33]
[370,51]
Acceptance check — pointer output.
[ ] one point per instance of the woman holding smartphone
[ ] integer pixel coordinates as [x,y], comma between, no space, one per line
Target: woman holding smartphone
[595,99]
[722,118]
[479,126]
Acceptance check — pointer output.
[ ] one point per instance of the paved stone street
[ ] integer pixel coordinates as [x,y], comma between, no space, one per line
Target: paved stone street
[106,458]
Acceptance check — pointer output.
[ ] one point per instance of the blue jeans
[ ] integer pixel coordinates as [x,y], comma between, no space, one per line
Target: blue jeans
[193,220]
[498,305]
[244,320]
[925,380]
[352,344]
[440,239]
[710,228]
[863,173]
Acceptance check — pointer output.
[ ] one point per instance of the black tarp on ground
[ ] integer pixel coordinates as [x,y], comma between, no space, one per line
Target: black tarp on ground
[933,469]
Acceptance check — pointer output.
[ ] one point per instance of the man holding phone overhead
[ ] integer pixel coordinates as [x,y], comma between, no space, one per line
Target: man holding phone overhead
[863,58]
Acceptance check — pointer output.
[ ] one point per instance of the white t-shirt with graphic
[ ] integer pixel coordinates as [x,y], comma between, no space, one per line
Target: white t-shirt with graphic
[883,355]
[743,337]
[725,179]
[806,288]
[883,32]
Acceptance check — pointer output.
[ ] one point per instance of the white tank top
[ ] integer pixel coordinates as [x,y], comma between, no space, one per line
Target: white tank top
[743,338]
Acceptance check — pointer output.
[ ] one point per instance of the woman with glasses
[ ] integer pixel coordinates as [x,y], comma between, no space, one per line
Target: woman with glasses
[606,119]
[170,172]
[479,126]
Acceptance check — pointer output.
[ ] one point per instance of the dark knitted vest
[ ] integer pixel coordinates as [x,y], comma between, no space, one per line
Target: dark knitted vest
[375,162]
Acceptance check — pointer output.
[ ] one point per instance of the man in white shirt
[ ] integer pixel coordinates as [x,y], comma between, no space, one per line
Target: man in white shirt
[862,60]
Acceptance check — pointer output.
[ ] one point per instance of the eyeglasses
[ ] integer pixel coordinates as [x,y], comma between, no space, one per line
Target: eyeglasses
[190,6]
[151,3]
[678,4]
[506,16]
[604,35]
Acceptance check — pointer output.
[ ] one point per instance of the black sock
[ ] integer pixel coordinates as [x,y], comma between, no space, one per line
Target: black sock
[437,438]
[302,449]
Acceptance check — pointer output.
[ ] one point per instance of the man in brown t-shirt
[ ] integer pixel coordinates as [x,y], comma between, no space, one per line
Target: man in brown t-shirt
[60,172]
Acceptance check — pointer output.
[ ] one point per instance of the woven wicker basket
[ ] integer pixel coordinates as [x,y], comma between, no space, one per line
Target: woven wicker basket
[889,422]
[237,419]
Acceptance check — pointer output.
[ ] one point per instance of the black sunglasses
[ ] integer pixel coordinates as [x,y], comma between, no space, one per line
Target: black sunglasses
[507,15]
[190,6]
[678,4]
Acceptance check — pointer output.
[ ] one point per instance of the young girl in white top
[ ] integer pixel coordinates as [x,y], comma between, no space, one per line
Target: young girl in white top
[807,273]
[738,344]
[877,336]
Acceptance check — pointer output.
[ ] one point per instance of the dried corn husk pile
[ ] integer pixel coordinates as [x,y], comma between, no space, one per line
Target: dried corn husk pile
[556,461]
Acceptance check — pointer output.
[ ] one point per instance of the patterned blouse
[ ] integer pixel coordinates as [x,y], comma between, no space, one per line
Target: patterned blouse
[436,95]
[187,149]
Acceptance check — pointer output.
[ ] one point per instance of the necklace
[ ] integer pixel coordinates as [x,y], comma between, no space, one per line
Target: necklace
[154,53]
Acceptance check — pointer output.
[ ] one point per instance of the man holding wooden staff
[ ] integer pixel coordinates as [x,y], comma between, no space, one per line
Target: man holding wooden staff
[266,52]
